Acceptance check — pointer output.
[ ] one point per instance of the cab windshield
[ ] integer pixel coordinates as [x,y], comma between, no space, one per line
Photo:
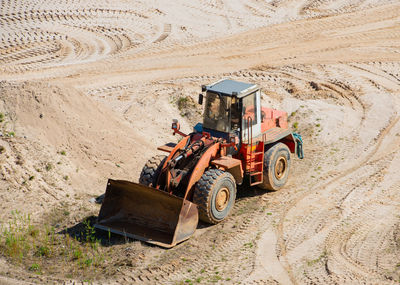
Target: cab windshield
[217,112]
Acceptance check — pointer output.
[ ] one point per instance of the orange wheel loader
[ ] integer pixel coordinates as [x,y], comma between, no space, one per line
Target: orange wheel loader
[238,142]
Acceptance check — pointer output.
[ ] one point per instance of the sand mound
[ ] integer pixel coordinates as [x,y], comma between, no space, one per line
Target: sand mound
[60,145]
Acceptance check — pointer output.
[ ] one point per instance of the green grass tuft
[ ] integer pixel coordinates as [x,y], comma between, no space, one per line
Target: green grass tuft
[36,246]
[43,251]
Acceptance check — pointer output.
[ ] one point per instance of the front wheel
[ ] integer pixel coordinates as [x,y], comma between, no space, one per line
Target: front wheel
[276,167]
[215,194]
[151,170]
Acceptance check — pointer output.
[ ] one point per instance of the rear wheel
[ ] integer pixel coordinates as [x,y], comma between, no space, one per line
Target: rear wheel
[276,167]
[215,194]
[151,170]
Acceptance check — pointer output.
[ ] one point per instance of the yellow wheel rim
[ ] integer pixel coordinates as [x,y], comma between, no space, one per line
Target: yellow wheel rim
[222,199]
[280,167]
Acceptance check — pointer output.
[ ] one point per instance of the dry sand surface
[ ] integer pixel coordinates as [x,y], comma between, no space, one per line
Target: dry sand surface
[88,91]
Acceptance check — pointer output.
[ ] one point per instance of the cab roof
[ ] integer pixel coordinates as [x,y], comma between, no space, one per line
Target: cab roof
[230,87]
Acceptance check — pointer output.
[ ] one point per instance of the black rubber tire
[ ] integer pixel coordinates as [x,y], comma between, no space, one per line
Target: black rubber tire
[275,178]
[211,183]
[151,170]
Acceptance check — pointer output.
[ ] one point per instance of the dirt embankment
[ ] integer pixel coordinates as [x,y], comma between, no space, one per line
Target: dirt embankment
[55,142]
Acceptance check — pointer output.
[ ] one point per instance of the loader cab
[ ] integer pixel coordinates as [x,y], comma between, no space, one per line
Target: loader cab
[230,108]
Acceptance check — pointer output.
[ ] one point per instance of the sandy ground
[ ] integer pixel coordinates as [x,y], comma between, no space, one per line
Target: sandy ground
[89,89]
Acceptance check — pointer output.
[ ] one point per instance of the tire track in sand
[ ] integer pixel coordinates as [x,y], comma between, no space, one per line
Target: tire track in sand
[341,175]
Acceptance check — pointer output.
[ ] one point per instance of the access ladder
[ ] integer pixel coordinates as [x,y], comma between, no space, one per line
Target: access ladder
[254,156]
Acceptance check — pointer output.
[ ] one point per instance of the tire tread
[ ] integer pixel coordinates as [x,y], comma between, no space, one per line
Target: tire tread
[203,194]
[269,156]
[151,169]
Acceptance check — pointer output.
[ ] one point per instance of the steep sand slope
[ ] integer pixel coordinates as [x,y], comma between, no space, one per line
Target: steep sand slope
[60,132]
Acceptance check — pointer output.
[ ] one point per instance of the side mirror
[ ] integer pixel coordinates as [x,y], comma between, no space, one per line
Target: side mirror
[201,99]
[175,125]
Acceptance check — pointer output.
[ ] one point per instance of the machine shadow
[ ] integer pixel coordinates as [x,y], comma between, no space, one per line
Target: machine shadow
[246,191]
[85,232]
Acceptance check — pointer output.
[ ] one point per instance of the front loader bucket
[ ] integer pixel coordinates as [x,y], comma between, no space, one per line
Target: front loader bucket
[146,214]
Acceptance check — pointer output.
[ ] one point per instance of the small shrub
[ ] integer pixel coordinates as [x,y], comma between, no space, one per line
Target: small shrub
[2,149]
[88,262]
[63,152]
[43,251]
[315,261]
[49,166]
[90,232]
[77,254]
[295,125]
[1,117]
[34,267]
[182,102]
[66,177]
[32,231]
[14,236]
[185,105]
[216,278]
